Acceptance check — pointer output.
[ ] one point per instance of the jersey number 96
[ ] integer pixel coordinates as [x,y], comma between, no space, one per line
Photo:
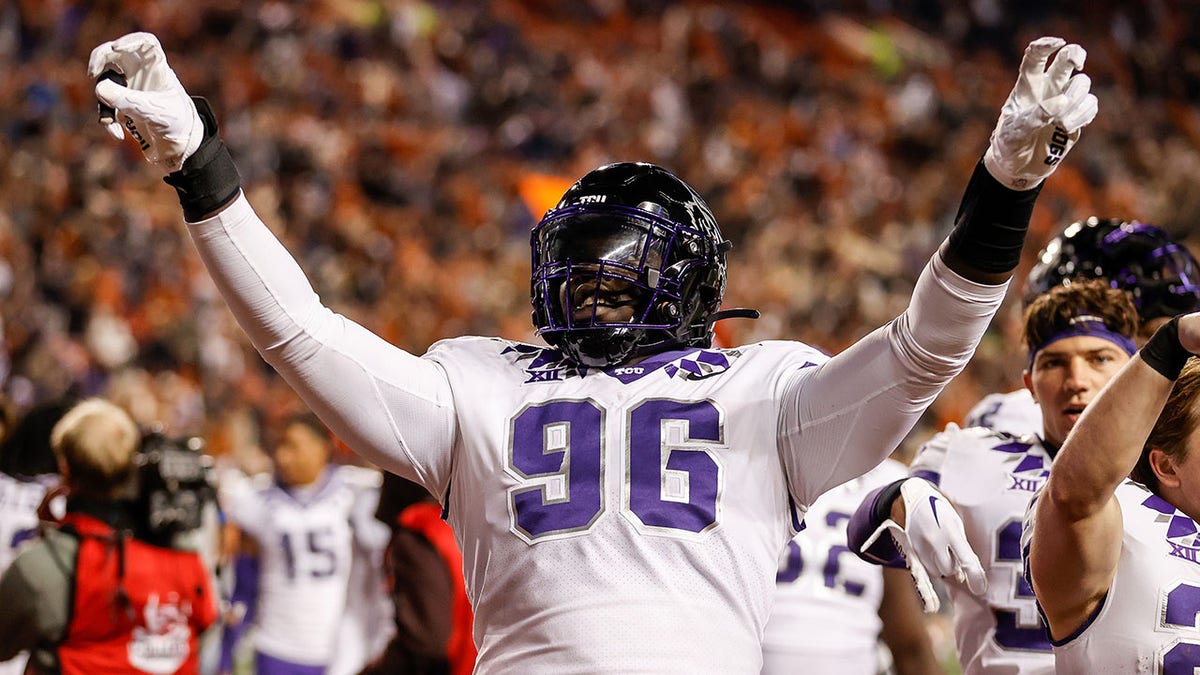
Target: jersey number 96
[671,480]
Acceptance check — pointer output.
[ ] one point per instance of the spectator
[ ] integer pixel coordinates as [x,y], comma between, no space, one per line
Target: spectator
[89,598]
[854,116]
[433,615]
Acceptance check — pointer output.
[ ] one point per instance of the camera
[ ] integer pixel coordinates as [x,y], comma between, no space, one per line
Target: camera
[175,482]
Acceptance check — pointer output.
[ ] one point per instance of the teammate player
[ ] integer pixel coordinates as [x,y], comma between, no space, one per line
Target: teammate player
[831,609]
[1161,274]
[1114,562]
[1078,337]
[620,496]
[28,471]
[308,525]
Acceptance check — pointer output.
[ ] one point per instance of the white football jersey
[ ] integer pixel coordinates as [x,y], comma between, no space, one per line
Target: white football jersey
[588,516]
[826,613]
[622,520]
[991,477]
[1014,413]
[367,624]
[19,501]
[306,544]
[1147,622]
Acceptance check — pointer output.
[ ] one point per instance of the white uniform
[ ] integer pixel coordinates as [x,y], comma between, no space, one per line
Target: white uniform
[1013,413]
[306,542]
[826,614]
[367,624]
[19,501]
[990,477]
[1147,622]
[621,521]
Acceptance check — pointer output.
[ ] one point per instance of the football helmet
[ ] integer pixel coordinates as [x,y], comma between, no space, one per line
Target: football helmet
[1161,274]
[630,262]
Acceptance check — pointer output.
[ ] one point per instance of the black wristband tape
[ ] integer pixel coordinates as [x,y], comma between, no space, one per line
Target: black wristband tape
[865,522]
[1163,351]
[989,230]
[208,179]
[881,510]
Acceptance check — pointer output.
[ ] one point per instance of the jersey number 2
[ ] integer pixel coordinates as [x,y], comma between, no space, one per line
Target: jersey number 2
[672,479]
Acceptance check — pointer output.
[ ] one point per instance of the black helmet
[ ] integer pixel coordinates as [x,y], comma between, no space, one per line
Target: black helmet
[639,225]
[1160,274]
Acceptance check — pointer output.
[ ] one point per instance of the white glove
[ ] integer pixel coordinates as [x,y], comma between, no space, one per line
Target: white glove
[933,537]
[153,105]
[1043,115]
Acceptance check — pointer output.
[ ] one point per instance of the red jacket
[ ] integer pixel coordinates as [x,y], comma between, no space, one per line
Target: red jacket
[425,519]
[137,608]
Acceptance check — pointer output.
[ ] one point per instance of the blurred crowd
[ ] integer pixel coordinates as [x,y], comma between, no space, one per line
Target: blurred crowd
[402,149]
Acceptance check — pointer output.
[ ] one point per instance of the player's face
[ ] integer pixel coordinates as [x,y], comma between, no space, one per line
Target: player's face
[301,455]
[1066,375]
[613,300]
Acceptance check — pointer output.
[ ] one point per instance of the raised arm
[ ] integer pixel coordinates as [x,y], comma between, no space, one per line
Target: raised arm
[391,407]
[845,416]
[1075,536]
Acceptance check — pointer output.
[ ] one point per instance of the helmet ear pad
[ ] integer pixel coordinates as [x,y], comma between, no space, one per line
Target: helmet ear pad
[639,224]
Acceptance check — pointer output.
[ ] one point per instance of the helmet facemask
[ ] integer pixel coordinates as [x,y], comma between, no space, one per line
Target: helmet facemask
[611,282]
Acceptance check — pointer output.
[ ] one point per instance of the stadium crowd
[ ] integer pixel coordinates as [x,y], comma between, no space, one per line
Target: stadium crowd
[402,150]
[408,146]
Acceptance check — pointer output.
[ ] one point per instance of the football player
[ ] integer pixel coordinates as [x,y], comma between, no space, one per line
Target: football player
[621,494]
[28,472]
[1161,274]
[831,609]
[308,526]
[1113,561]
[1078,336]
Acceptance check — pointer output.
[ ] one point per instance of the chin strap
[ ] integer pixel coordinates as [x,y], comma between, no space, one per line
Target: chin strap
[735,313]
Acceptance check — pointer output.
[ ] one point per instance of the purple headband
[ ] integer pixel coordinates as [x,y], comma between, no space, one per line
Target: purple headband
[1085,325]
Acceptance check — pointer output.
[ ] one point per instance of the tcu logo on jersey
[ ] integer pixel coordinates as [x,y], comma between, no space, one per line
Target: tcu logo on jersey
[629,370]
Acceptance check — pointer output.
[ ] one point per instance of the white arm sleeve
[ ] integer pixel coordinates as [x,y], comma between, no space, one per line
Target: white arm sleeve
[391,407]
[847,415]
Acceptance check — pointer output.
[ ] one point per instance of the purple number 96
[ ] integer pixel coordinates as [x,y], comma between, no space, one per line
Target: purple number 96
[671,479]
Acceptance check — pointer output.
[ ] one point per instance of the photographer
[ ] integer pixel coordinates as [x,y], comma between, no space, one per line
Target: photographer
[89,597]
